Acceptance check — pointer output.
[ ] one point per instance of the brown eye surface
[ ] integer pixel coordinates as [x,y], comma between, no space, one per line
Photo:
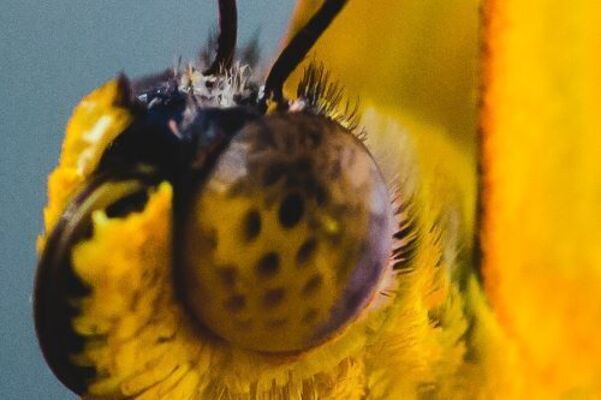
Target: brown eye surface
[287,239]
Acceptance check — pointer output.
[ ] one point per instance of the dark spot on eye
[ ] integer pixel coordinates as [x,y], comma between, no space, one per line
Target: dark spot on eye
[251,225]
[274,297]
[235,303]
[268,265]
[306,251]
[312,285]
[273,173]
[228,275]
[211,238]
[128,204]
[276,323]
[291,210]
[321,195]
[310,316]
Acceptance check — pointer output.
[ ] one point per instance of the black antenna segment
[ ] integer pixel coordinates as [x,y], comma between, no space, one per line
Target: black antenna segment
[226,42]
[299,46]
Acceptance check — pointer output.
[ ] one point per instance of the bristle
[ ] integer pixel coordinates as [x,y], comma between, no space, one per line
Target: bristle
[405,237]
[327,98]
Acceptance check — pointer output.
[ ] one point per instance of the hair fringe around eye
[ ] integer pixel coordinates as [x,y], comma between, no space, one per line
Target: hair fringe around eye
[327,98]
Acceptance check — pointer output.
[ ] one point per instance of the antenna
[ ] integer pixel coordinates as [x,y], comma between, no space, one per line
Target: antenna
[299,46]
[226,42]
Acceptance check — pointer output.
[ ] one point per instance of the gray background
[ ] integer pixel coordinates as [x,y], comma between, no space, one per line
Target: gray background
[51,54]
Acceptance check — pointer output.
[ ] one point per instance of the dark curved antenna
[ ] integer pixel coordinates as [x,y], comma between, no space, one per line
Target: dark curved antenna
[298,48]
[226,42]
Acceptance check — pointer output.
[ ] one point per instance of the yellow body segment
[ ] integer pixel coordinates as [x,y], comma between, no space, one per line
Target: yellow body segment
[542,180]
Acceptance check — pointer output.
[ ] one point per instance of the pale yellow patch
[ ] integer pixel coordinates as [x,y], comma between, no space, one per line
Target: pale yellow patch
[95,122]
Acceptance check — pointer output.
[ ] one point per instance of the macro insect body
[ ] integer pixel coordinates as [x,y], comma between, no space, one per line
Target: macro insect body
[206,232]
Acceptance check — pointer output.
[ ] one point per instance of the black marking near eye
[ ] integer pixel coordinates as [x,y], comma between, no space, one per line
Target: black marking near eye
[268,265]
[291,210]
[251,225]
[312,285]
[128,204]
[306,252]
[274,297]
[235,303]
[228,275]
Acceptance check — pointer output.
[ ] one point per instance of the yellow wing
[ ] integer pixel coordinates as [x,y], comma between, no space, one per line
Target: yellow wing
[542,180]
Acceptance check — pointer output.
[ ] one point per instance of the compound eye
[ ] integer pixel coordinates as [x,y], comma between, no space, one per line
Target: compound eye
[286,241]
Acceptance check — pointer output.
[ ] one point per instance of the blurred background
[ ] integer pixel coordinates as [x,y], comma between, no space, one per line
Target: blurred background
[52,54]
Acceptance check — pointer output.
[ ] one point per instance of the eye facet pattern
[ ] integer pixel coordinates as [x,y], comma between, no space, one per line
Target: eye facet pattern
[299,207]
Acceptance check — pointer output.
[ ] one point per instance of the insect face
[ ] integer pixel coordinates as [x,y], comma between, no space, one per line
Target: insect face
[281,220]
